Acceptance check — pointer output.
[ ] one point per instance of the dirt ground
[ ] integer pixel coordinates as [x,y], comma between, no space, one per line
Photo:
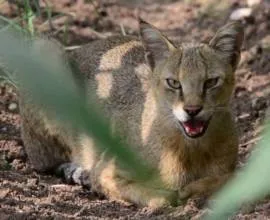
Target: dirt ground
[25,194]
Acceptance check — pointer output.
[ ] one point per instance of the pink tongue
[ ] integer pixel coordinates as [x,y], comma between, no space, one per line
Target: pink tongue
[193,128]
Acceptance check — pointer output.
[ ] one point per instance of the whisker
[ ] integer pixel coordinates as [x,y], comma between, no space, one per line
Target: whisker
[218,108]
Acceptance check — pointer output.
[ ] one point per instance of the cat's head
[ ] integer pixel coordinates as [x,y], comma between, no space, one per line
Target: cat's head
[193,80]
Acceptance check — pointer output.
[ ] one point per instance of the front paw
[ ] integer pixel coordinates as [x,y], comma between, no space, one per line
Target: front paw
[195,189]
[184,193]
[197,199]
[163,198]
[72,173]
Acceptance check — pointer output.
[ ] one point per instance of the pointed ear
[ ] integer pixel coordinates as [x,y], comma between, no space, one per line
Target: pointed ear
[157,46]
[228,41]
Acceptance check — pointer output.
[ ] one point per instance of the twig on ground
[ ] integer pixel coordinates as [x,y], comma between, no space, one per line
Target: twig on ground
[79,212]
[123,30]
[98,34]
[72,48]
[252,141]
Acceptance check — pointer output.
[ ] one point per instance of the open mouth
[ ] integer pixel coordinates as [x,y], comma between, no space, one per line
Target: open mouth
[195,128]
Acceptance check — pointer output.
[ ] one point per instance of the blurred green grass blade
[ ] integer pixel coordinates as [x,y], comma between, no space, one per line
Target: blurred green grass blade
[10,23]
[7,77]
[29,17]
[51,84]
[251,184]
[37,7]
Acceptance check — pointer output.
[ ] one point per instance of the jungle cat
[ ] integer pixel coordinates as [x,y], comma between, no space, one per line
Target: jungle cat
[170,101]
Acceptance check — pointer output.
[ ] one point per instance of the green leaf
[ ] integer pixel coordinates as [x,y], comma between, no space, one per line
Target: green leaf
[252,183]
[42,71]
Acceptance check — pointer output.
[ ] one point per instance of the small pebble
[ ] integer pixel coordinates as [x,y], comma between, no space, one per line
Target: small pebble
[32,182]
[12,106]
[265,43]
[252,3]
[4,129]
[4,193]
[240,13]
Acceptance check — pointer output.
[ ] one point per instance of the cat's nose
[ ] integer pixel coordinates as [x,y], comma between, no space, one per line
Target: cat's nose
[193,110]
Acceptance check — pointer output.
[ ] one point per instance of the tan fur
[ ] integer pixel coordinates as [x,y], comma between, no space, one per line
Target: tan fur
[136,100]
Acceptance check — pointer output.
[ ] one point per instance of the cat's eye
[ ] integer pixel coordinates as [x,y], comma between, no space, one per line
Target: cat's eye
[173,83]
[210,83]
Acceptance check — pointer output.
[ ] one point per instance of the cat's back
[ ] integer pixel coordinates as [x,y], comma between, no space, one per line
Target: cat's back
[108,54]
[114,69]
